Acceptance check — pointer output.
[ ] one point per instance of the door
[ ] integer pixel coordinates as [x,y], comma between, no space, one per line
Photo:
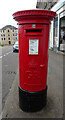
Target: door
[33,57]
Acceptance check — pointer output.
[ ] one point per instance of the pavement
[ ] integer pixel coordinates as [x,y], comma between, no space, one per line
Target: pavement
[54,107]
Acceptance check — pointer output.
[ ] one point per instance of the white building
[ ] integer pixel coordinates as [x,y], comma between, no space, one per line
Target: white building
[57,28]
[8,35]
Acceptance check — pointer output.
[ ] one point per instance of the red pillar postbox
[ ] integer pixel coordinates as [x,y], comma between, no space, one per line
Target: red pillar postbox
[33,33]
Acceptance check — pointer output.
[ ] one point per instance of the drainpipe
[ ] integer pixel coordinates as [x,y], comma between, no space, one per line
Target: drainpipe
[58,32]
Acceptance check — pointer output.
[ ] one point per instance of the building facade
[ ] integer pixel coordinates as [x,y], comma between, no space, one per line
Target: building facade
[8,35]
[57,28]
[57,32]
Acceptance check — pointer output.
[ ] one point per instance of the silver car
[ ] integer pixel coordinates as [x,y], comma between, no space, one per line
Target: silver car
[16,47]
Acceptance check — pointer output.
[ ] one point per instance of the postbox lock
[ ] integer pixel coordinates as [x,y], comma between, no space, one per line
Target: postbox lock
[42,66]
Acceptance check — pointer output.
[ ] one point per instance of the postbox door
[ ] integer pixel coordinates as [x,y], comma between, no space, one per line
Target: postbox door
[34,61]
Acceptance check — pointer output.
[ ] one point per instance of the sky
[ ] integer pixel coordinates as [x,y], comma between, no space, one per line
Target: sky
[8,7]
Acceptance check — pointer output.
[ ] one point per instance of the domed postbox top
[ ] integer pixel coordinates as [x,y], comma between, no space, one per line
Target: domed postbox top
[34,16]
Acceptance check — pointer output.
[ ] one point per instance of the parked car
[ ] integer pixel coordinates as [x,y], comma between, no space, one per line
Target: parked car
[16,47]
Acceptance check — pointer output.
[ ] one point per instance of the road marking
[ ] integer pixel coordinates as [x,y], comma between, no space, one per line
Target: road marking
[6,54]
[1,56]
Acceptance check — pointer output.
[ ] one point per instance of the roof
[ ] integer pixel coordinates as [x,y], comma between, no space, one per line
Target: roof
[8,26]
[60,4]
[46,4]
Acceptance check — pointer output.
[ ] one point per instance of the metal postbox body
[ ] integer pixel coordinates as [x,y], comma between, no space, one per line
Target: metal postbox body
[33,33]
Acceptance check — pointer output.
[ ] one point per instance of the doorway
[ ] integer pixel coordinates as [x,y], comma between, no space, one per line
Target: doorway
[9,42]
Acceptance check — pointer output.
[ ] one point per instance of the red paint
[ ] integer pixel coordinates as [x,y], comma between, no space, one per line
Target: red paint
[33,67]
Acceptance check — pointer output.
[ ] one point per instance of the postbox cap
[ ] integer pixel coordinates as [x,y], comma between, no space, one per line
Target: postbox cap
[34,16]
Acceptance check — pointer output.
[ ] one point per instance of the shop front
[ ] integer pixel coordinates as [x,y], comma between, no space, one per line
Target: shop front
[62,33]
[57,30]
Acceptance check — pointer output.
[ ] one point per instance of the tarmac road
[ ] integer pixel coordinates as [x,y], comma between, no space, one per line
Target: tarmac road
[9,70]
[0,82]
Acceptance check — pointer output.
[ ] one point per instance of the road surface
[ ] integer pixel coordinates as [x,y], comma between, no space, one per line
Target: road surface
[9,70]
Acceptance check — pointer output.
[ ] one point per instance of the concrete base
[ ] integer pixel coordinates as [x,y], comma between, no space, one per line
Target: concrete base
[32,101]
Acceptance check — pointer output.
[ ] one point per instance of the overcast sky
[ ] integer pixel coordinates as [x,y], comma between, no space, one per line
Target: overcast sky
[8,7]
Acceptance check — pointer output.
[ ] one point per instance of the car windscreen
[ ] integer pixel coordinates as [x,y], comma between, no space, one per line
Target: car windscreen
[16,43]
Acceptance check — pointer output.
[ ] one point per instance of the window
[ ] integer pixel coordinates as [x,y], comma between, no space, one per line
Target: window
[13,30]
[55,32]
[13,34]
[4,38]
[8,35]
[3,34]
[8,30]
[56,27]
[9,38]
